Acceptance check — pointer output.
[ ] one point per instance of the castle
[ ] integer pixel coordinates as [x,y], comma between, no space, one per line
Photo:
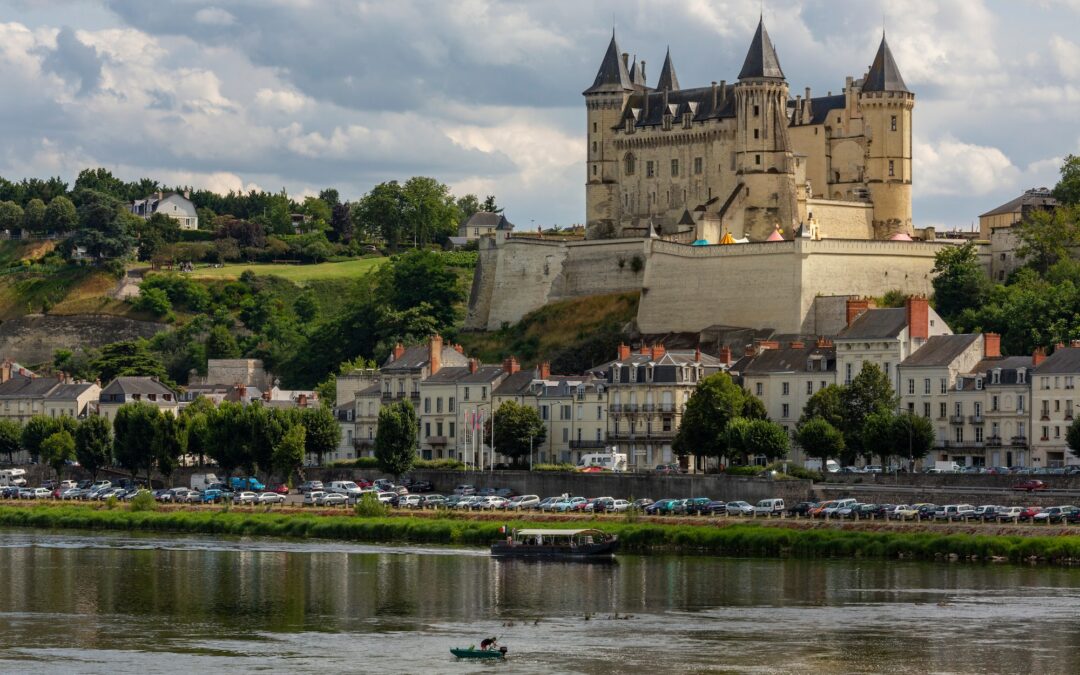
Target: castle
[728,205]
[745,158]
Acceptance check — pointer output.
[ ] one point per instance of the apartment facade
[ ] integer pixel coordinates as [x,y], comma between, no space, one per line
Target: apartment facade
[1053,406]
[457,405]
[130,389]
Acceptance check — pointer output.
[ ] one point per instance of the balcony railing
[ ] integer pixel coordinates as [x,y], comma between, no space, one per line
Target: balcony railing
[956,419]
[414,395]
[1018,440]
[667,407]
[363,442]
[648,407]
[587,445]
[994,441]
[976,419]
[436,440]
[616,407]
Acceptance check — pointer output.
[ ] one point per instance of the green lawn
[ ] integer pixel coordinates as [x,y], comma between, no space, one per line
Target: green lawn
[296,273]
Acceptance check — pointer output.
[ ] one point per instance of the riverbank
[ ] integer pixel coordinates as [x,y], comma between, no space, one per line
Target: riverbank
[724,538]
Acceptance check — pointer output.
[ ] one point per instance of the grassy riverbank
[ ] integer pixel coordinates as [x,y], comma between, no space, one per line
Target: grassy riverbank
[728,538]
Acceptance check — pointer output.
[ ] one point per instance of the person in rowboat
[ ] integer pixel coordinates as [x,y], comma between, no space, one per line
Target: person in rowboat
[488,643]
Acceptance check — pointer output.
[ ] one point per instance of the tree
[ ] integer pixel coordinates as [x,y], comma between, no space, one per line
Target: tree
[1047,237]
[517,429]
[877,435]
[764,438]
[220,344]
[341,223]
[306,307]
[913,437]
[106,227]
[1072,437]
[960,281]
[128,358]
[323,433]
[288,454]
[423,277]
[134,431]
[330,196]
[715,402]
[381,213]
[60,215]
[34,433]
[10,433]
[1067,190]
[820,439]
[154,301]
[468,205]
[395,438]
[170,437]
[34,215]
[93,444]
[825,404]
[11,216]
[868,393]
[490,206]
[57,450]
[226,436]
[430,210]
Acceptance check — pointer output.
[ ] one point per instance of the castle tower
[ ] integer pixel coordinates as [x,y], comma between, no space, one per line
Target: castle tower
[764,164]
[668,81]
[886,106]
[604,103]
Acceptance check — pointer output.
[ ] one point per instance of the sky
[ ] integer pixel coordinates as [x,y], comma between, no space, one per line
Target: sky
[485,95]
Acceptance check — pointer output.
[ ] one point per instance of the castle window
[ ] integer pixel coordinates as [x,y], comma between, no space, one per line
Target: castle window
[757,133]
[594,127]
[757,159]
[697,166]
[674,167]
[892,169]
[631,164]
[594,146]
[892,123]
[650,169]
[594,169]
[757,110]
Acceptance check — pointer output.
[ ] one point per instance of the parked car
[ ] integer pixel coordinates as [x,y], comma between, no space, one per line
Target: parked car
[640,504]
[1054,514]
[1007,513]
[801,509]
[1029,485]
[311,497]
[830,510]
[331,499]
[717,508]
[420,486]
[902,512]
[739,508]
[271,497]
[1029,513]
[411,502]
[697,506]
[245,497]
[311,486]
[279,488]
[599,504]
[926,511]
[70,493]
[769,507]
[522,502]
[655,507]
[40,493]
[132,494]
[954,512]
[212,495]
[619,506]
[873,468]
[465,489]
[668,469]
[433,501]
[567,505]
[344,487]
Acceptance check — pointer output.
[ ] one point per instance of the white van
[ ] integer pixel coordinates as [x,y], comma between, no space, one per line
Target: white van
[16,477]
[769,507]
[201,481]
[612,461]
[345,487]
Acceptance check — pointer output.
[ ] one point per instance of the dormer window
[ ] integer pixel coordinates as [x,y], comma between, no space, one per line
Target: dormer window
[959,384]
[978,383]
[1021,376]
[995,376]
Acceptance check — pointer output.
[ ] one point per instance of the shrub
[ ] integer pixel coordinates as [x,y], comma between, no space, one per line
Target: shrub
[750,470]
[554,467]
[440,464]
[637,263]
[358,463]
[144,501]
[111,502]
[369,506]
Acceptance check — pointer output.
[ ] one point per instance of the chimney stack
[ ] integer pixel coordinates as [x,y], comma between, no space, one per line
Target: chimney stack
[1038,356]
[187,194]
[545,370]
[991,346]
[644,349]
[511,365]
[473,365]
[749,350]
[823,342]
[399,351]
[60,377]
[855,308]
[725,355]
[658,351]
[435,353]
[798,344]
[459,349]
[918,317]
[301,401]
[5,371]
[624,352]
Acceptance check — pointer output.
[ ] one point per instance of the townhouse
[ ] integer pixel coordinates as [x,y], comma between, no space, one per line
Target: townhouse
[1053,396]
[130,389]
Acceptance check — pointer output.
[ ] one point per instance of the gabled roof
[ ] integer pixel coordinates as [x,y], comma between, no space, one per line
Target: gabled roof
[69,392]
[791,360]
[875,324]
[884,74]
[515,384]
[1007,365]
[487,219]
[22,387]
[761,60]
[1040,198]
[940,350]
[612,75]
[129,384]
[667,80]
[416,357]
[1064,360]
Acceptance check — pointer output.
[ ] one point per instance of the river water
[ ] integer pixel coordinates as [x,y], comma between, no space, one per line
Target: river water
[109,603]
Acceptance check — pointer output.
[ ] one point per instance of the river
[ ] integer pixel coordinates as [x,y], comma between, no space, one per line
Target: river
[111,603]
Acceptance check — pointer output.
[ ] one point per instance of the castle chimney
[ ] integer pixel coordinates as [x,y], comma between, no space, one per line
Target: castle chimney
[1074,344]
[435,353]
[399,351]
[266,395]
[749,350]
[723,91]
[626,60]
[187,194]
[918,317]
[60,376]
[1059,345]
[511,365]
[473,365]
[624,352]
[159,195]
[991,346]
[545,370]
[715,101]
[855,308]
[1038,356]
[642,72]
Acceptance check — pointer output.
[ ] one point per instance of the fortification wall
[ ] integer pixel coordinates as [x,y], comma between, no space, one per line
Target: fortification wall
[519,275]
[33,338]
[842,220]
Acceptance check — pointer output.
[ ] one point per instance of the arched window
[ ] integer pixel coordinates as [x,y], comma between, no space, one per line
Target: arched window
[630,163]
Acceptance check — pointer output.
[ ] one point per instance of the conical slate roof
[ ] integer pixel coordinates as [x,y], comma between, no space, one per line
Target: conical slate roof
[761,60]
[884,75]
[612,74]
[667,80]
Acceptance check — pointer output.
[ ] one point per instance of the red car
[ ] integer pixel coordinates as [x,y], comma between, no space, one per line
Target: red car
[1030,485]
[1027,514]
[280,488]
[363,482]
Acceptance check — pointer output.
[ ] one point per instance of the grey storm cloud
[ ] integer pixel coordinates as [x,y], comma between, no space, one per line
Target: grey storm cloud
[74,61]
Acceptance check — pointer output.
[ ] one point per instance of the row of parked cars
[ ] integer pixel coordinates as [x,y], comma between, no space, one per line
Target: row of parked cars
[854,510]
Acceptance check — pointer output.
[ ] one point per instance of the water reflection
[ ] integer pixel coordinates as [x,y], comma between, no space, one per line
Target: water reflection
[153,604]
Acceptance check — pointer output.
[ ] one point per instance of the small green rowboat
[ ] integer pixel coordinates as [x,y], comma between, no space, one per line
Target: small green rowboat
[474,653]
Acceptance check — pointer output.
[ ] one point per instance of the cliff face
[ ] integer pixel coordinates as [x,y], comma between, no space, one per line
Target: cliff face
[33,338]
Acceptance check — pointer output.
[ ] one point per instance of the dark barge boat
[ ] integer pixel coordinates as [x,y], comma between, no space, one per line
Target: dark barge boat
[585,544]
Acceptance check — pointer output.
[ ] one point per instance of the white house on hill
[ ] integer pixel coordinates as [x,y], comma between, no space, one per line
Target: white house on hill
[177,206]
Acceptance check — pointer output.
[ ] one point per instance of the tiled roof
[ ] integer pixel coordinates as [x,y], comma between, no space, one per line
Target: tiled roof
[940,350]
[516,384]
[612,74]
[69,392]
[884,74]
[876,324]
[761,60]
[788,360]
[1031,199]
[27,388]
[134,385]
[1064,360]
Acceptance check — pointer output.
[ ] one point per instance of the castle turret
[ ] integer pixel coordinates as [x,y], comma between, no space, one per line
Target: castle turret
[763,158]
[667,81]
[604,103]
[886,106]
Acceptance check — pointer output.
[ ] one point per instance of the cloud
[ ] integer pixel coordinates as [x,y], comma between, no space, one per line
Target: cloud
[952,167]
[1066,56]
[75,61]
[214,16]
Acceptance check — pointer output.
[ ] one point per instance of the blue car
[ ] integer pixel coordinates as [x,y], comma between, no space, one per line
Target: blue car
[250,483]
[211,496]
